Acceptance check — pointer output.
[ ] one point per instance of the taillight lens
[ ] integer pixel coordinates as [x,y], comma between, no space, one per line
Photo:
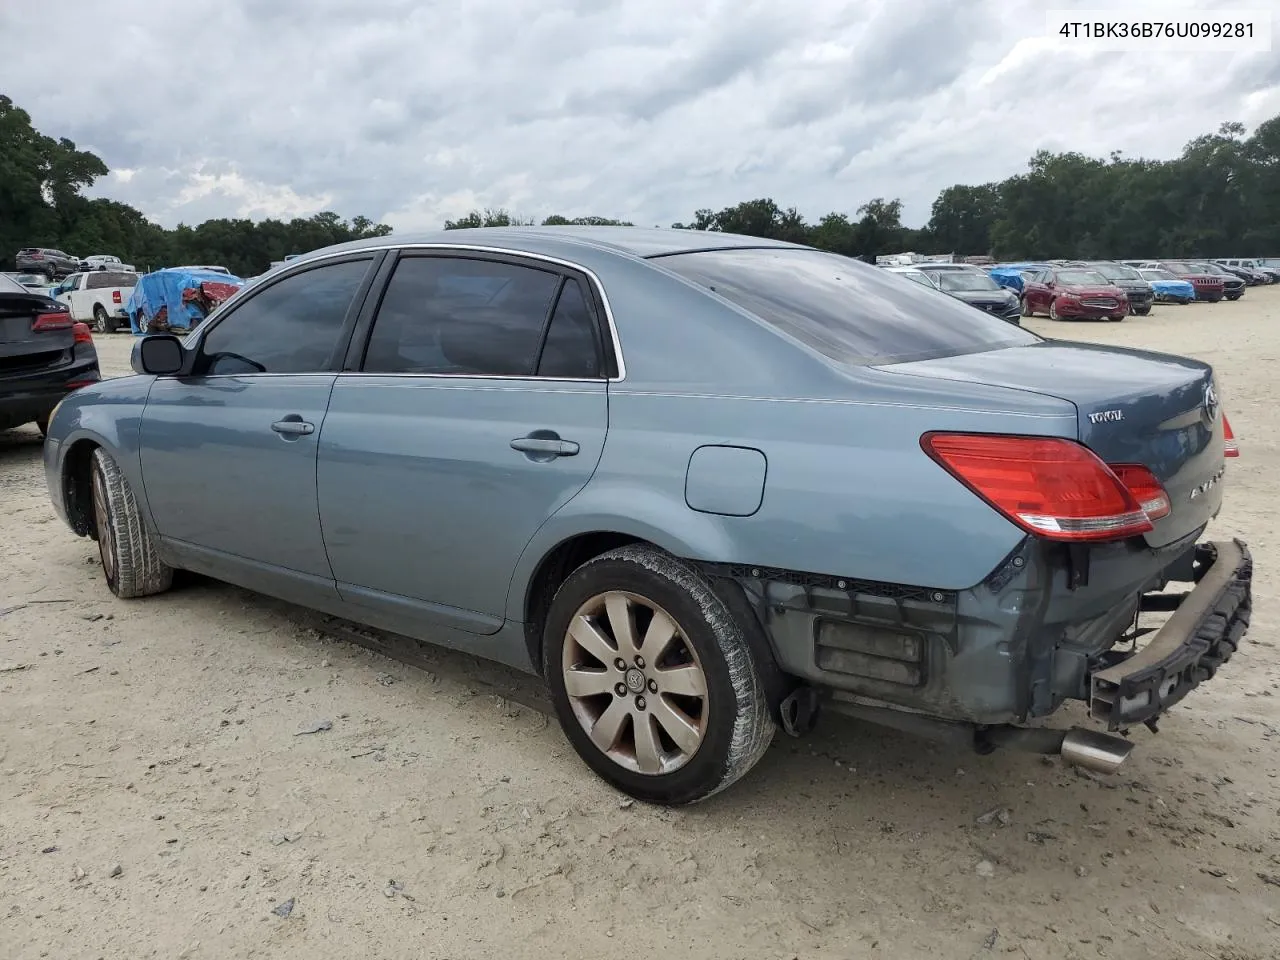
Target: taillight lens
[82,333]
[1232,448]
[1146,489]
[1055,488]
[60,320]
[115,297]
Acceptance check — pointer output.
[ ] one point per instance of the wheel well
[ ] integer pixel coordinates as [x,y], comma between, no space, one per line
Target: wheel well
[553,571]
[77,487]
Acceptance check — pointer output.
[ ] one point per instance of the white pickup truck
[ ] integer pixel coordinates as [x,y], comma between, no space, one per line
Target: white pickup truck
[98,297]
[104,261]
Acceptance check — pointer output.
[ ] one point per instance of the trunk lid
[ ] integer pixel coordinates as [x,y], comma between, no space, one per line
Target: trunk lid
[1132,407]
[22,349]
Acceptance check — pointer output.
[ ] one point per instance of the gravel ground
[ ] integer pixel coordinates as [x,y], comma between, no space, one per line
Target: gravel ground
[158,799]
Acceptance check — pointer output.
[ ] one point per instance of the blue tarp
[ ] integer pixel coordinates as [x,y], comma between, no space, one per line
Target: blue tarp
[164,288]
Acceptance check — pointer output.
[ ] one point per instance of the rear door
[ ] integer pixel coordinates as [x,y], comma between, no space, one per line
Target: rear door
[229,453]
[478,409]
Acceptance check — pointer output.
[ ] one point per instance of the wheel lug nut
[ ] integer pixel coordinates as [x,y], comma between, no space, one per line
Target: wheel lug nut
[620,689]
[640,662]
[620,664]
[640,704]
[653,686]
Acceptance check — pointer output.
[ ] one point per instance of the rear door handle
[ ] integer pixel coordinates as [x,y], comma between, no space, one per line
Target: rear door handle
[545,446]
[293,427]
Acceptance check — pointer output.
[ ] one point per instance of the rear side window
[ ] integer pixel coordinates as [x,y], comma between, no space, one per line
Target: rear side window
[849,311]
[461,316]
[571,349]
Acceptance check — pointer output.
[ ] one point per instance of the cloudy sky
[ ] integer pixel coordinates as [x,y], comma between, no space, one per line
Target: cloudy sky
[411,111]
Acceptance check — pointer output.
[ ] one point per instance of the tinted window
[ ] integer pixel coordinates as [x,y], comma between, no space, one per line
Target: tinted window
[571,348]
[1114,271]
[847,310]
[1082,278]
[966,280]
[458,316]
[292,326]
[101,279]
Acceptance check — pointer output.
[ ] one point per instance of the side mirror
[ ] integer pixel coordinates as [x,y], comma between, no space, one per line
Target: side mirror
[160,354]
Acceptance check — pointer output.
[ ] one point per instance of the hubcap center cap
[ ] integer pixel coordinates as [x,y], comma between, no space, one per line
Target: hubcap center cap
[635,681]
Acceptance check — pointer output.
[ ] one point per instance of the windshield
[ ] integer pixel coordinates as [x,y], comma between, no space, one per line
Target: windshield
[962,280]
[1180,269]
[1157,275]
[1082,278]
[844,309]
[10,285]
[1116,271]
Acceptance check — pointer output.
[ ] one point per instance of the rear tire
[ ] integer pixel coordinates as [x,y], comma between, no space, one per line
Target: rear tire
[101,322]
[130,555]
[674,730]
[1026,308]
[43,426]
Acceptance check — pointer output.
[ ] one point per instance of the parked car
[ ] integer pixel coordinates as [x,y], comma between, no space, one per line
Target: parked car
[32,281]
[977,289]
[1208,286]
[1167,287]
[177,298]
[52,263]
[97,298]
[103,261]
[1251,277]
[575,450]
[1136,290]
[1233,287]
[44,354]
[1271,271]
[1014,275]
[1073,293]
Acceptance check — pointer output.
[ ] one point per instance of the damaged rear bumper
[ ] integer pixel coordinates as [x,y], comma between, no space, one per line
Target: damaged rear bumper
[1201,635]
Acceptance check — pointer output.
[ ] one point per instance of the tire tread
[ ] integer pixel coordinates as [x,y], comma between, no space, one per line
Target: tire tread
[139,570]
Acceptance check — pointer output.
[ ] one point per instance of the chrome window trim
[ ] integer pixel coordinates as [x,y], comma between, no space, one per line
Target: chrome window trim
[299,266]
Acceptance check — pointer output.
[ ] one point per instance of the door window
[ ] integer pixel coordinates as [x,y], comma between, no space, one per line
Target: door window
[292,326]
[460,316]
[571,349]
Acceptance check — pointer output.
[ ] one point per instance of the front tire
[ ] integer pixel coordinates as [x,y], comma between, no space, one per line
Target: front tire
[130,555]
[1143,311]
[652,678]
[1026,307]
[1053,310]
[1116,317]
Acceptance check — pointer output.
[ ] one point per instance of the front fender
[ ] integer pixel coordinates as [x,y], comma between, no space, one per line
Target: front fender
[662,520]
[107,415]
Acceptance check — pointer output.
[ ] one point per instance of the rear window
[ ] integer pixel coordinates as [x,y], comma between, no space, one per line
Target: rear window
[846,310]
[100,279]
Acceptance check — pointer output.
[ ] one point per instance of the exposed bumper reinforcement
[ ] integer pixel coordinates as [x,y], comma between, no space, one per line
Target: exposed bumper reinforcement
[1201,635]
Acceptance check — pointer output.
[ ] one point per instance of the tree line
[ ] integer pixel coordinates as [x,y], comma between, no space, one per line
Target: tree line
[1220,197]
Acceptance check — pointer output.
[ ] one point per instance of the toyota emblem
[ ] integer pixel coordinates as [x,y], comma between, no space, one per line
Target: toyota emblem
[1210,403]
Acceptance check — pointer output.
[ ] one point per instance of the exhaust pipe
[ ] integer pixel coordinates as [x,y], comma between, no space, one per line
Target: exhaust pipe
[1095,751]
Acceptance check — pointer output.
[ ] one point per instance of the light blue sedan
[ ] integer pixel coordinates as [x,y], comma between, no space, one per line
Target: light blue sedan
[704,484]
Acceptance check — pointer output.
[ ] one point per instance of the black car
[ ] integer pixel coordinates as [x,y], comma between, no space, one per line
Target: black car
[1232,284]
[52,263]
[1128,279]
[977,289]
[44,355]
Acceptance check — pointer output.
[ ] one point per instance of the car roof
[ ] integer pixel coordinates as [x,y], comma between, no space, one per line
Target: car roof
[633,241]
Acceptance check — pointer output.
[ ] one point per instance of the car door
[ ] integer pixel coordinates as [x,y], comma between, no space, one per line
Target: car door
[64,291]
[229,451]
[1035,293]
[476,410]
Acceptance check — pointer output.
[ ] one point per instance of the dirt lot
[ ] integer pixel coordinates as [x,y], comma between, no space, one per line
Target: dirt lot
[157,799]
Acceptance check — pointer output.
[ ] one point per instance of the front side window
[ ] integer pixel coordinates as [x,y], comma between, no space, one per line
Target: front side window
[292,326]
[844,309]
[463,317]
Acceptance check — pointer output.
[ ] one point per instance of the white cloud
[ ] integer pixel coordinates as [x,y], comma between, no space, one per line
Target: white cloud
[641,109]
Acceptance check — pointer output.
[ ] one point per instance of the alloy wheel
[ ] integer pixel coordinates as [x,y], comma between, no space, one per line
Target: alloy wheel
[635,684]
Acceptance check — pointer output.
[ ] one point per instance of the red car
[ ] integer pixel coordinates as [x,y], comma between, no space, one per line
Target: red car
[1073,293]
[1209,286]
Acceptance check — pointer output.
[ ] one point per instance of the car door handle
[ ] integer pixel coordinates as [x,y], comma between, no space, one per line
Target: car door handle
[293,428]
[546,446]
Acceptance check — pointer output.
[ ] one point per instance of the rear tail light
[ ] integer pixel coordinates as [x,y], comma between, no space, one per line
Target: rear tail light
[1229,438]
[115,297]
[1055,488]
[1146,489]
[60,320]
[82,333]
